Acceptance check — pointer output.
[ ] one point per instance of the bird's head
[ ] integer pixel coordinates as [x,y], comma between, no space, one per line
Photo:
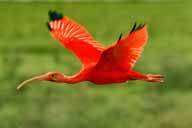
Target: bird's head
[53,76]
[50,76]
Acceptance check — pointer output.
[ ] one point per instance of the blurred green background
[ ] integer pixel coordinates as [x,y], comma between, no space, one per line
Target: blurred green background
[27,49]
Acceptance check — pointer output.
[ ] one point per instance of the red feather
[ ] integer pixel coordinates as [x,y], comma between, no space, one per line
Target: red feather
[100,65]
[76,38]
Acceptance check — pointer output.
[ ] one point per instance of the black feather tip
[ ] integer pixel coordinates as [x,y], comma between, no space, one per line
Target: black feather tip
[136,27]
[120,36]
[48,26]
[53,15]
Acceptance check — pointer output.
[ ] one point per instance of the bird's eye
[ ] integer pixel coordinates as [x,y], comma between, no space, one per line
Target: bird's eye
[53,77]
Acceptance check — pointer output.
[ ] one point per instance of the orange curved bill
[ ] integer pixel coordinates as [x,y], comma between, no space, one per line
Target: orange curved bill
[24,83]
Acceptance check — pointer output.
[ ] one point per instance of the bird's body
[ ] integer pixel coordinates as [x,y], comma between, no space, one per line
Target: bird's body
[99,65]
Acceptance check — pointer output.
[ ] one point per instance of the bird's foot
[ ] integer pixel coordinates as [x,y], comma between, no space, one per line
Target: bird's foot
[154,78]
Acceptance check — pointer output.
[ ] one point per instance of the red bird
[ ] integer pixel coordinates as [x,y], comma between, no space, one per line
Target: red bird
[99,65]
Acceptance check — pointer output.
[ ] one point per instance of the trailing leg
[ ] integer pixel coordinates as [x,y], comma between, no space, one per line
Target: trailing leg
[148,77]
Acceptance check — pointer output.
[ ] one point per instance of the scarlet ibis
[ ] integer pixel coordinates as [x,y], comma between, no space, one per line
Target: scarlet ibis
[99,65]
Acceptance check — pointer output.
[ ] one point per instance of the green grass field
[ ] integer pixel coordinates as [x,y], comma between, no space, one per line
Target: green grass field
[27,49]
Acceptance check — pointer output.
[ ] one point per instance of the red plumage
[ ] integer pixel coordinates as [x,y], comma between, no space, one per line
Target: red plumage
[99,65]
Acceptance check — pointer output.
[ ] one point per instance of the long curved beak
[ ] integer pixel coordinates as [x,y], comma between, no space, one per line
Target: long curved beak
[41,77]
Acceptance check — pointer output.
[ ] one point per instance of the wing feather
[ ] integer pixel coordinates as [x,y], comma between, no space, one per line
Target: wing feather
[125,52]
[76,38]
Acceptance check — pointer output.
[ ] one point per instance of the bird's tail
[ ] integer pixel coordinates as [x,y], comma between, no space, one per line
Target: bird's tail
[53,15]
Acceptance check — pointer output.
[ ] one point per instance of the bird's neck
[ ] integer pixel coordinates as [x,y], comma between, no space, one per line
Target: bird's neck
[69,79]
[81,76]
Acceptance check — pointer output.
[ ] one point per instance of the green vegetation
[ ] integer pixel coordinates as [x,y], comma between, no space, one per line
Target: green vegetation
[27,49]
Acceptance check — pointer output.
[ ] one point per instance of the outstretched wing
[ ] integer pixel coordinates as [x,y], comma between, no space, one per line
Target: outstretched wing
[75,38]
[125,52]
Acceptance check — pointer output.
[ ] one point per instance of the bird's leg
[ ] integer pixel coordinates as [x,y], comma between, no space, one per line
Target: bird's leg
[148,77]
[154,78]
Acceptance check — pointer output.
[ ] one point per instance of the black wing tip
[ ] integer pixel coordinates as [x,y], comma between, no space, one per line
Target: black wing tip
[47,24]
[133,28]
[120,36]
[54,15]
[137,27]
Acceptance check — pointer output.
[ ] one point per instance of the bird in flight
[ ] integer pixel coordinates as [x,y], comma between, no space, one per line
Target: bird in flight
[99,65]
